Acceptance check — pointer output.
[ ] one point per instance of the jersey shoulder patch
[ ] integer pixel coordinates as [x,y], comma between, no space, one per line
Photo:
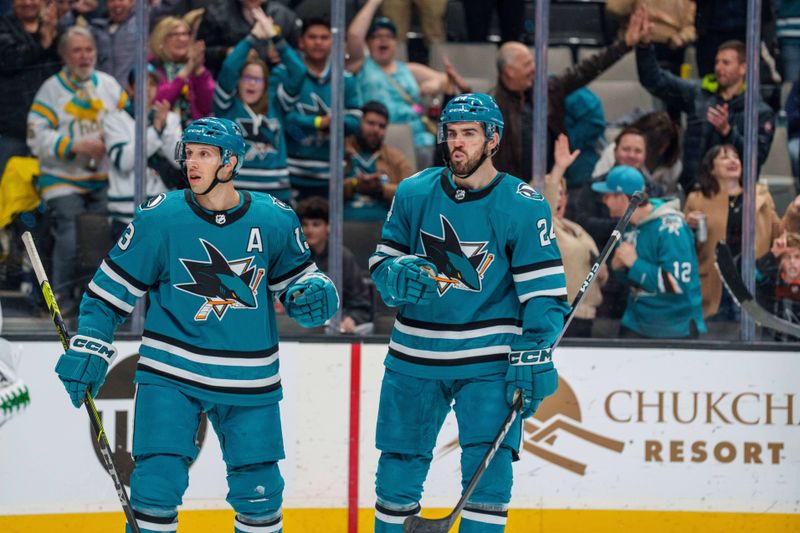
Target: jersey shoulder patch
[528,192]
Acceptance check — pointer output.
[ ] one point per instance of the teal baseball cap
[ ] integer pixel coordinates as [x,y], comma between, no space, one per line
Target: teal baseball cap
[621,179]
[382,23]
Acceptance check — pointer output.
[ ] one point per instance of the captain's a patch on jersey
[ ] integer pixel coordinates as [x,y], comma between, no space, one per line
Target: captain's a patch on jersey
[459,264]
[221,283]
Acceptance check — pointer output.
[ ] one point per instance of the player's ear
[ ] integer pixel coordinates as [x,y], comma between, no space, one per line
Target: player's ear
[493,142]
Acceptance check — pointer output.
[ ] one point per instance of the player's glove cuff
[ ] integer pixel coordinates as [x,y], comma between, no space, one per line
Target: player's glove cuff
[524,357]
[92,346]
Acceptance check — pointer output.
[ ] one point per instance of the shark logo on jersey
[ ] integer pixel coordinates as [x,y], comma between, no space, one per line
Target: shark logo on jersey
[459,265]
[262,137]
[672,224]
[222,284]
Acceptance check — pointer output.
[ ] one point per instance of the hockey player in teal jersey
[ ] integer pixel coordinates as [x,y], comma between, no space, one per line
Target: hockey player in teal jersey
[211,258]
[468,255]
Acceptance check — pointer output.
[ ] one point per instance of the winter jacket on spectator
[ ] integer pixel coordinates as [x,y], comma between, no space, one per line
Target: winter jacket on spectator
[388,161]
[768,226]
[116,50]
[24,66]
[578,253]
[673,20]
[224,25]
[514,155]
[695,98]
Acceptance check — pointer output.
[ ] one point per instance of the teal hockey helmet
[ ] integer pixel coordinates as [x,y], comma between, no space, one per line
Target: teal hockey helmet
[472,107]
[220,132]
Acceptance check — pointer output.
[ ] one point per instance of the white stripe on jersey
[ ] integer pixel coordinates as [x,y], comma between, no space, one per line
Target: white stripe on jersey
[249,528]
[307,163]
[485,518]
[154,526]
[457,335]
[119,279]
[267,172]
[560,291]
[208,359]
[107,296]
[205,380]
[527,276]
[450,354]
[383,249]
[280,287]
[390,519]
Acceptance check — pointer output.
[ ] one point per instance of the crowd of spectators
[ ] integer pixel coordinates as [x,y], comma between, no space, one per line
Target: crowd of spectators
[67,136]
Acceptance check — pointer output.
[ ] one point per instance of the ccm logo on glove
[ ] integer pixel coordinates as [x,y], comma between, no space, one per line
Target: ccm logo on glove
[93,347]
[530,357]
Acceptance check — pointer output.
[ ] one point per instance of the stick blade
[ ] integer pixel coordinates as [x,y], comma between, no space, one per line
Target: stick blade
[418,524]
[726,266]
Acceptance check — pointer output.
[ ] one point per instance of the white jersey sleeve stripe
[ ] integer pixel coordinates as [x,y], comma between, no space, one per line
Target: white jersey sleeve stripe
[110,298]
[559,291]
[119,279]
[551,271]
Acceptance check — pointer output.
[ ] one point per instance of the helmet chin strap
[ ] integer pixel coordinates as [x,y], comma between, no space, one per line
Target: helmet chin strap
[483,158]
[215,182]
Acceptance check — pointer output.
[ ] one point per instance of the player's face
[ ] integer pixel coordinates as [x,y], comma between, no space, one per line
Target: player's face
[202,162]
[316,42]
[466,144]
[382,46]
[373,130]
[727,165]
[616,203]
[252,84]
[80,57]
[790,264]
[727,68]
[316,231]
[631,151]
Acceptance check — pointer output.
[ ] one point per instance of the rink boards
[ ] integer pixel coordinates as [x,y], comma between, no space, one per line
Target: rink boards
[635,440]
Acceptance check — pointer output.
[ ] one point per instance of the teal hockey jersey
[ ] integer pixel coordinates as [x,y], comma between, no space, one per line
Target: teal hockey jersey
[499,276]
[665,296]
[264,167]
[307,146]
[211,276]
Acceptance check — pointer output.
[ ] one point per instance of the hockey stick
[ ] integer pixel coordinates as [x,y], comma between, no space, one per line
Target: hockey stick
[418,524]
[737,289]
[91,410]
